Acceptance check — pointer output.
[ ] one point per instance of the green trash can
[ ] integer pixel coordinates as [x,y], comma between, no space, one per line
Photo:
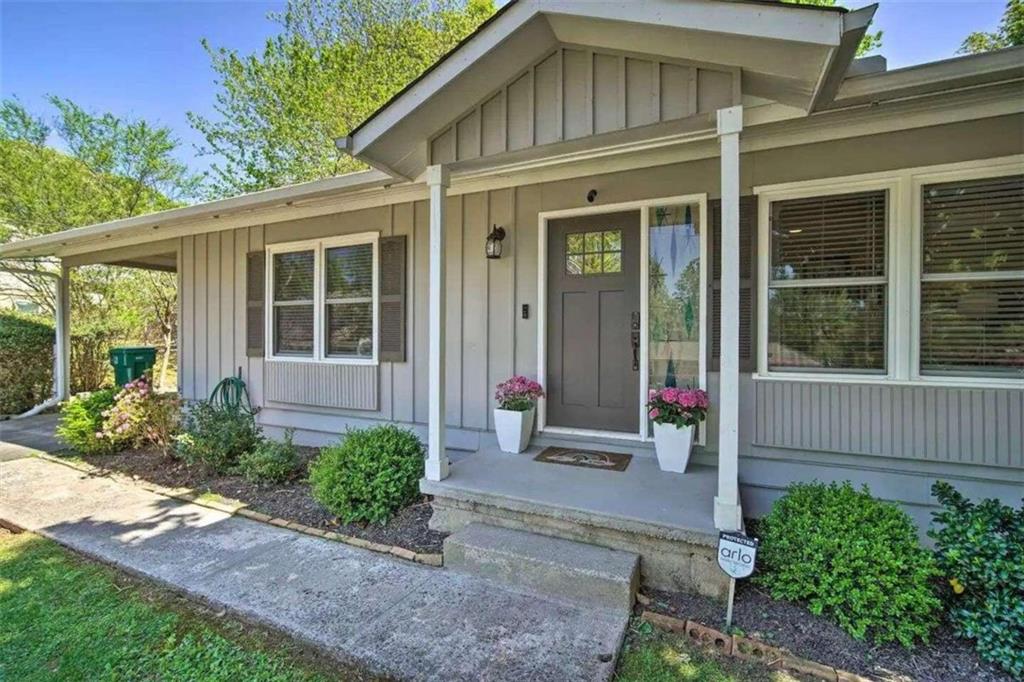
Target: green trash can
[131,363]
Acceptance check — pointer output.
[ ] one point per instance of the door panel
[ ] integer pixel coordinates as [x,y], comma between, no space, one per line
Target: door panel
[593,305]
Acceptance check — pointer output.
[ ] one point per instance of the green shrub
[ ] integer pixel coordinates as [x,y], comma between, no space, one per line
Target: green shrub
[369,475]
[980,550]
[26,362]
[851,557]
[217,437]
[81,422]
[270,461]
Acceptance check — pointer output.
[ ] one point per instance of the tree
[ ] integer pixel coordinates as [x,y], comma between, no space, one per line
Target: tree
[1010,32]
[112,168]
[333,64]
[869,43]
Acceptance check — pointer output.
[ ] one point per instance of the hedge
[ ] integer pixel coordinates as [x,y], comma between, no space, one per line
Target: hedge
[26,362]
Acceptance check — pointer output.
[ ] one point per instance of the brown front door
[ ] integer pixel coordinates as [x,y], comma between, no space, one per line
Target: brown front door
[593,353]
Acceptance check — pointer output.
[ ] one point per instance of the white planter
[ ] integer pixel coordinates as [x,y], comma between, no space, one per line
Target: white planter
[514,429]
[673,446]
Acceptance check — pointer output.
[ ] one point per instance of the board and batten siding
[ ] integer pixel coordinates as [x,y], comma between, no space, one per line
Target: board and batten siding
[488,338]
[935,423]
[574,93]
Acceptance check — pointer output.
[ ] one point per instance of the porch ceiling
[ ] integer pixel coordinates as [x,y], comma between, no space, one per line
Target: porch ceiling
[790,54]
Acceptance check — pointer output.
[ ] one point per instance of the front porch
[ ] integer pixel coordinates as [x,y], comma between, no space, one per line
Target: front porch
[665,518]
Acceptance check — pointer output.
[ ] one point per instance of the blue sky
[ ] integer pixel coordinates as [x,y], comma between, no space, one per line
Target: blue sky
[144,59]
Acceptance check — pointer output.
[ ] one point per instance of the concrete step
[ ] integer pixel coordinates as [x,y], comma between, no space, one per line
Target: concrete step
[560,568]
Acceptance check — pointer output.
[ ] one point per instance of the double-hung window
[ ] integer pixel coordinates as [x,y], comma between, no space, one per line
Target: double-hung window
[323,300]
[972,278]
[827,283]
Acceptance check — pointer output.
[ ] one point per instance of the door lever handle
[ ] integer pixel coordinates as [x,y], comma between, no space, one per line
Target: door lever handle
[635,339]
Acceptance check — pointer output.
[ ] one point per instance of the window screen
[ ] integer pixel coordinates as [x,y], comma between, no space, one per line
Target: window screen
[827,284]
[293,303]
[972,277]
[348,301]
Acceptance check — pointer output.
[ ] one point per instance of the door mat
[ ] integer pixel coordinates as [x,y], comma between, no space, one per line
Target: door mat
[590,459]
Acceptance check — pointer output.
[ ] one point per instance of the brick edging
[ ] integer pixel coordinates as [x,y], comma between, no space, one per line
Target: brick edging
[239,508]
[748,649]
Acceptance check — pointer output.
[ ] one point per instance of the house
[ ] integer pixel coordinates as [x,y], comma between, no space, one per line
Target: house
[705,192]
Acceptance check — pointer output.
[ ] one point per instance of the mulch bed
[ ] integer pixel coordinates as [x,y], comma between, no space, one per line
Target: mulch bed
[793,627]
[291,501]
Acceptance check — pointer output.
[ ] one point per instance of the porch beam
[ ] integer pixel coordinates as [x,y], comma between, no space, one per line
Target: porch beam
[437,458]
[728,515]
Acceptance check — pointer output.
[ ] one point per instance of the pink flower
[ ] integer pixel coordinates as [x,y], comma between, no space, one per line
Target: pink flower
[653,414]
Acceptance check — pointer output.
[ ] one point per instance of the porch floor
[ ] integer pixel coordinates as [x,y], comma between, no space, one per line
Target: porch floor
[642,499]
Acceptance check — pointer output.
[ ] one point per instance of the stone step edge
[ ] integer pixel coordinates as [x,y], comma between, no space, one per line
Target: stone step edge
[746,649]
[239,508]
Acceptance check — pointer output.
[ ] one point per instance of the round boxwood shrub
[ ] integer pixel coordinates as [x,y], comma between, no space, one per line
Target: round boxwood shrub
[369,475]
[81,422]
[26,362]
[853,558]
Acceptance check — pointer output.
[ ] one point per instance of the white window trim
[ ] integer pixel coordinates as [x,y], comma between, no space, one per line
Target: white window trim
[765,198]
[318,247]
[904,267]
[918,182]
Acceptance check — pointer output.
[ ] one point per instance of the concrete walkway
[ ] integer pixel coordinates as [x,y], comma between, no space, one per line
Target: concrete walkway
[20,437]
[393,617]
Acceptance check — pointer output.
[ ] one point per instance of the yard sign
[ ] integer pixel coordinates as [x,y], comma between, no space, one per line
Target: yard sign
[736,556]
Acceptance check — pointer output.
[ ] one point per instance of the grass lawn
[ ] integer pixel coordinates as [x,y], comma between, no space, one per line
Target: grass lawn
[650,655]
[65,618]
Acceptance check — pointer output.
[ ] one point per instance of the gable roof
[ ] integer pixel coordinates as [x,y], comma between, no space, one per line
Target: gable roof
[794,53]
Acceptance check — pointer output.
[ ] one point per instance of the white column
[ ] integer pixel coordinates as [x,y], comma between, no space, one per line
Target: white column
[728,515]
[62,349]
[437,458]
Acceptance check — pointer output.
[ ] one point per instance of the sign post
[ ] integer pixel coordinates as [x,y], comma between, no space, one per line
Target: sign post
[736,556]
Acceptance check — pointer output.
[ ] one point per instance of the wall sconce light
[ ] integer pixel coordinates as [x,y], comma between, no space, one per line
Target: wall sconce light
[494,242]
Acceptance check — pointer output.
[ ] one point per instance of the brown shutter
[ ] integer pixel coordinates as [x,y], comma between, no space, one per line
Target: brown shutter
[255,274]
[392,299]
[748,279]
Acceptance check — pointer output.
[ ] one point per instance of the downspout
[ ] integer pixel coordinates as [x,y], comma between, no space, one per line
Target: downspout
[58,344]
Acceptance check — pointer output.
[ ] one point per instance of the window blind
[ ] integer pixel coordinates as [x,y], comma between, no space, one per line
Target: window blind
[827,307]
[348,301]
[972,282]
[293,303]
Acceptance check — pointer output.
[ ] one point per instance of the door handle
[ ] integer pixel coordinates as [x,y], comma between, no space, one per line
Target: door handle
[634,338]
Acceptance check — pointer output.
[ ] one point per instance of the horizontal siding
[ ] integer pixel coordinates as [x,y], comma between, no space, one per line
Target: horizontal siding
[940,424]
[573,93]
[351,387]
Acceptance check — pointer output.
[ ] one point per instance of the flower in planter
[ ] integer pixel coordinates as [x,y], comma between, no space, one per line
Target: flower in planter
[678,406]
[518,394]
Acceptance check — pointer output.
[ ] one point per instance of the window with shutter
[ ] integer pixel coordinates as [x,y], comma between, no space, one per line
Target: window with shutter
[827,283]
[748,257]
[972,277]
[323,299]
[255,276]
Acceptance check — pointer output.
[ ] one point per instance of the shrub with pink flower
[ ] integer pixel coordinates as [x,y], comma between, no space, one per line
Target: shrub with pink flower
[678,406]
[141,416]
[518,394]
